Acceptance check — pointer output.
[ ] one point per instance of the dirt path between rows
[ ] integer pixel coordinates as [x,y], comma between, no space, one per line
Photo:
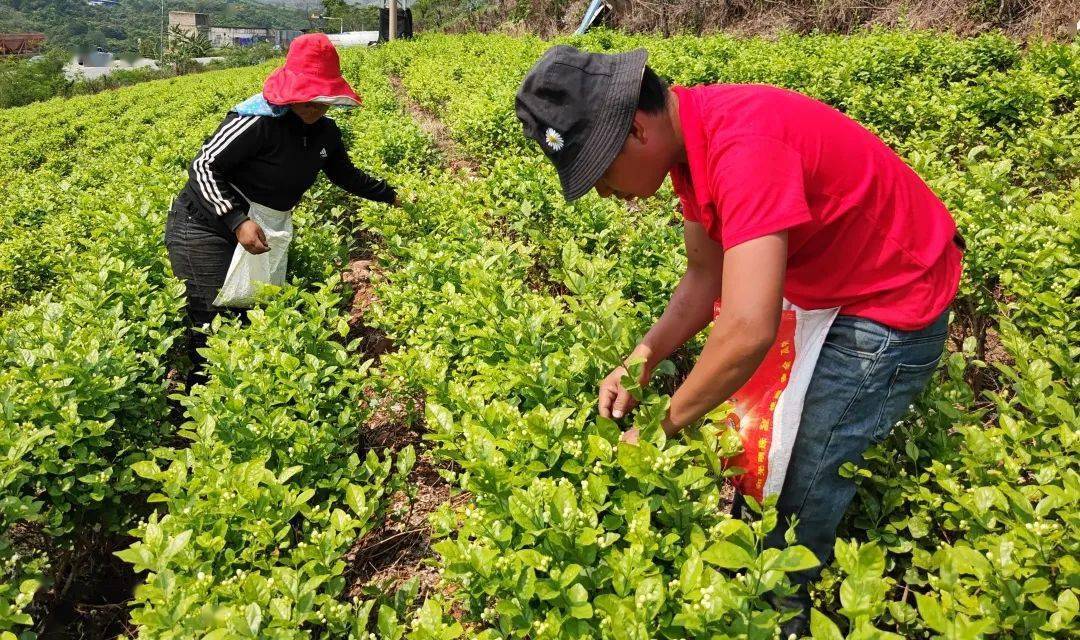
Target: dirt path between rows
[396,550]
[399,549]
[538,278]
[434,127]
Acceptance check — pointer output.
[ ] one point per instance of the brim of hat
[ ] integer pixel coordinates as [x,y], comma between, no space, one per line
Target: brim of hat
[288,87]
[612,126]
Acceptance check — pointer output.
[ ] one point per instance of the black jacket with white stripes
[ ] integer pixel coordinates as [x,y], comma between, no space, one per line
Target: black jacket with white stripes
[271,161]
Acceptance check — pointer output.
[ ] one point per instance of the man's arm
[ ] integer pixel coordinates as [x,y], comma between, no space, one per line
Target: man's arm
[753,283]
[687,313]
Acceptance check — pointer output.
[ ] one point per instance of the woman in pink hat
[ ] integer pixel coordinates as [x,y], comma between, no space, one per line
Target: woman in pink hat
[263,157]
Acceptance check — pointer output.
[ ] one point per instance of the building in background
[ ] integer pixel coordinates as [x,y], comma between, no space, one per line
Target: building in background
[247,36]
[102,3]
[404,24]
[191,23]
[99,63]
[21,44]
[353,38]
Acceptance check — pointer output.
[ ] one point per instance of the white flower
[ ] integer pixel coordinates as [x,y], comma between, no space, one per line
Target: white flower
[553,139]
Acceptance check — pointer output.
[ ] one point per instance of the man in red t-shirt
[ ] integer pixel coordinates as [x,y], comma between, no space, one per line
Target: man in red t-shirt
[784,197]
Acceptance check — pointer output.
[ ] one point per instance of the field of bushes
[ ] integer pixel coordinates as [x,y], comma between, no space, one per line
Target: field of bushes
[240,508]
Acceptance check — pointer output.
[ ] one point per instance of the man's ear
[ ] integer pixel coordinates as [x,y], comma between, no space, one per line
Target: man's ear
[638,130]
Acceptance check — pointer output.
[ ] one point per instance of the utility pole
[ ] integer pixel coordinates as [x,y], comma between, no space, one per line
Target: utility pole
[161,52]
[393,20]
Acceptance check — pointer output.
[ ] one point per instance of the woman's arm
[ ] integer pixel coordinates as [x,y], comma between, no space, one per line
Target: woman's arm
[237,139]
[341,171]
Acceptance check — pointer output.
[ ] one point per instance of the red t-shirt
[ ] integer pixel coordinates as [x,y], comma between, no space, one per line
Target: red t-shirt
[865,233]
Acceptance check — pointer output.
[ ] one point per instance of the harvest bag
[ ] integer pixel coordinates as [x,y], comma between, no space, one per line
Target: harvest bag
[767,409]
[246,269]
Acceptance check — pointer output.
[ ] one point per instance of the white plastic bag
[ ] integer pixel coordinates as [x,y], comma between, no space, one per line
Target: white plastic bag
[768,408]
[247,270]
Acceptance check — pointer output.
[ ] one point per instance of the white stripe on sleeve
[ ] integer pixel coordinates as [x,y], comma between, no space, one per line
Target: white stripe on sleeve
[202,177]
[225,136]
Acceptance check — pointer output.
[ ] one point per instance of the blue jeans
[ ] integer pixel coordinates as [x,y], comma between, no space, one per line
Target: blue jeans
[200,253]
[866,378]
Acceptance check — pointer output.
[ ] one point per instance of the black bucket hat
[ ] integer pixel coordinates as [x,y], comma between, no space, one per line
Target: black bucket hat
[579,106]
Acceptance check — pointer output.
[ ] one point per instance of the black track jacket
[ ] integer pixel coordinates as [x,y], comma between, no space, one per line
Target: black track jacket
[272,161]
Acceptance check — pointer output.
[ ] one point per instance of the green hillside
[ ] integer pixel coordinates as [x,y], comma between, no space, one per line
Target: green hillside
[73,24]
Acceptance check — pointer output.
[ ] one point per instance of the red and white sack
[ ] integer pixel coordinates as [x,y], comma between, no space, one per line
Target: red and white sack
[768,408]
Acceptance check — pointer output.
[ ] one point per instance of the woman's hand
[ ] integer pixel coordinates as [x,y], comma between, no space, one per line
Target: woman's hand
[251,236]
[614,400]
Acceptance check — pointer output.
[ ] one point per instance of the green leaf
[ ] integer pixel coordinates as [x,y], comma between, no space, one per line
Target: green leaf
[822,628]
[1067,602]
[439,416]
[406,460]
[727,555]
[148,469]
[569,574]
[388,625]
[177,543]
[356,500]
[577,595]
[288,473]
[797,558]
[253,616]
[280,609]
[931,613]
[690,573]
[521,512]
[1036,585]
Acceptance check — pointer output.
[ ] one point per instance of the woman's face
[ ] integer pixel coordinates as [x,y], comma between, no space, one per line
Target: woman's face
[310,112]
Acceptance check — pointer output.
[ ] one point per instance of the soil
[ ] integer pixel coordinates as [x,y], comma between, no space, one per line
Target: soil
[400,549]
[92,593]
[373,341]
[995,350]
[989,349]
[397,550]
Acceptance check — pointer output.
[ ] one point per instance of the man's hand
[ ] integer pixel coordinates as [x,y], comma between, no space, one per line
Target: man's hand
[251,236]
[630,436]
[689,310]
[615,400]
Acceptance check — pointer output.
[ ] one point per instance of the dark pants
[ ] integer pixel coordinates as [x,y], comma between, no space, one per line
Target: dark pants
[866,378]
[200,252]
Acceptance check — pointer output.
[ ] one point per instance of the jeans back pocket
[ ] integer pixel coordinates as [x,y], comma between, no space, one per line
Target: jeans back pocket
[908,381]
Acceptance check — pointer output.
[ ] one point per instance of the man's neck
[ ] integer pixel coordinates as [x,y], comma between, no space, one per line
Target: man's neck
[676,127]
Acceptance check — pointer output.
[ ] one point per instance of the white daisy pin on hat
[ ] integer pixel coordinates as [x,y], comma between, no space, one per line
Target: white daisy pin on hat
[553,139]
